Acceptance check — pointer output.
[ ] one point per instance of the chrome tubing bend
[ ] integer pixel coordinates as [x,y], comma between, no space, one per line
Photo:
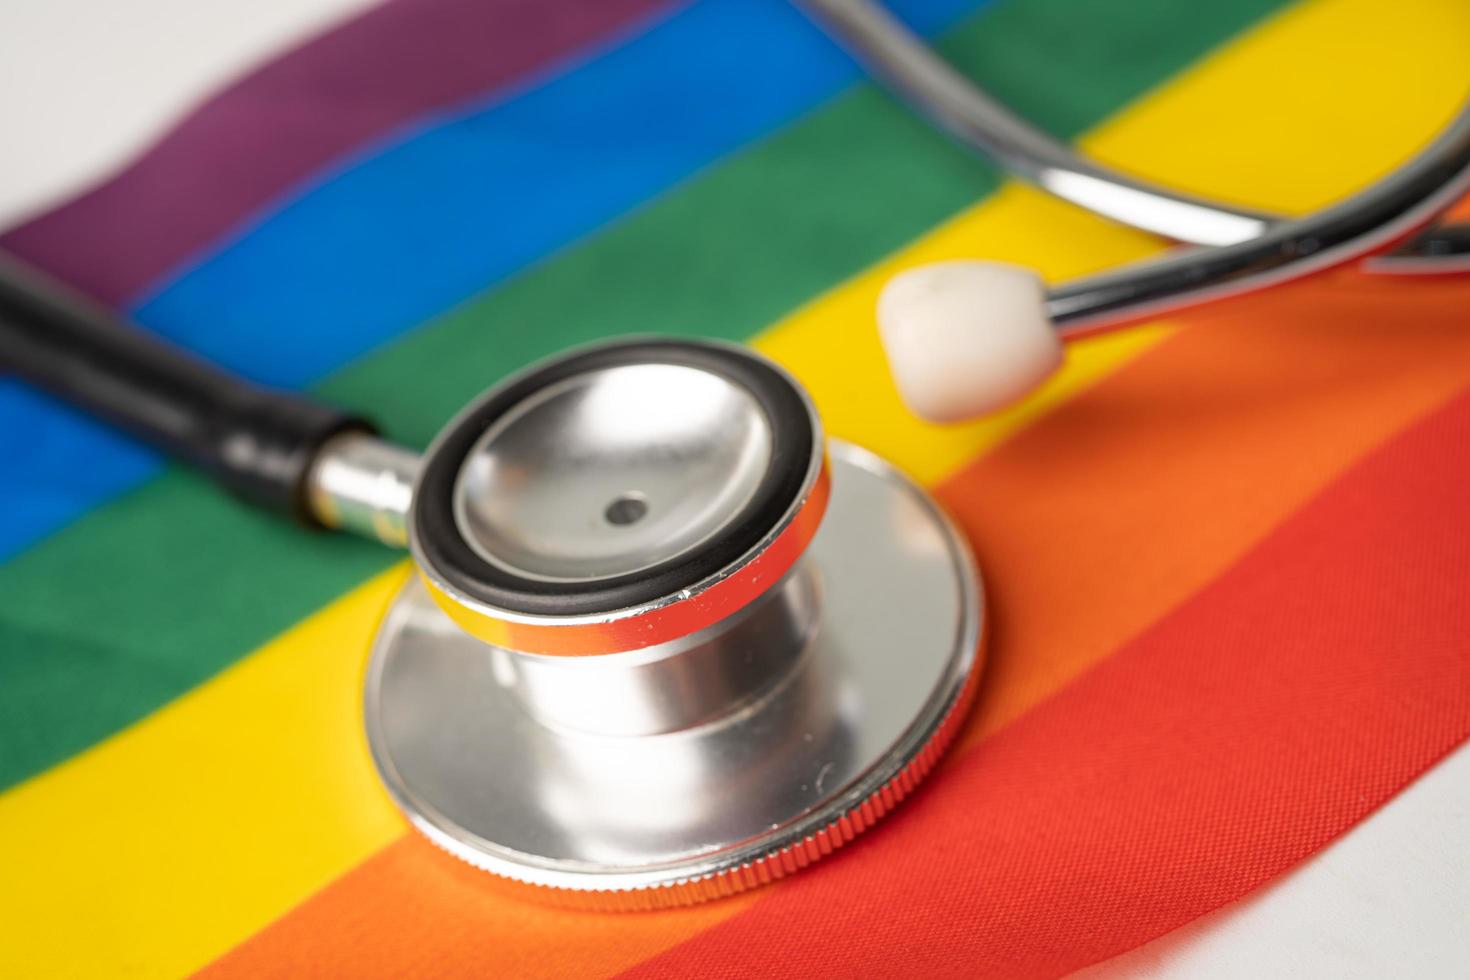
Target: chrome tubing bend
[1362,225]
[979,122]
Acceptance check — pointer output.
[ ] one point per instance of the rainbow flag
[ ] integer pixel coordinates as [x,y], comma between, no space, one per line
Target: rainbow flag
[1228,554]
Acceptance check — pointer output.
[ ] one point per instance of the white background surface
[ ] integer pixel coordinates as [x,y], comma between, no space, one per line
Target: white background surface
[84,84]
[88,83]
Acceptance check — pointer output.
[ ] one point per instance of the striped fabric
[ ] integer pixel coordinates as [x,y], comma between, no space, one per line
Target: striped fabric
[1228,554]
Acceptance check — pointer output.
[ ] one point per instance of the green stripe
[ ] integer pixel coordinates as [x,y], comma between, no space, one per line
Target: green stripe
[156,592]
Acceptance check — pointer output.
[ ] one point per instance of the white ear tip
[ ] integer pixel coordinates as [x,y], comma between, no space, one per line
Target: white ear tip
[966,338]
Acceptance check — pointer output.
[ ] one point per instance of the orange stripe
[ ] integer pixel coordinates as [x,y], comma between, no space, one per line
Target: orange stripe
[413,911]
[1173,467]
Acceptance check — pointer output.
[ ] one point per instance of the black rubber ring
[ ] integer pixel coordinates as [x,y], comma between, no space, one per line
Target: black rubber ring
[443,549]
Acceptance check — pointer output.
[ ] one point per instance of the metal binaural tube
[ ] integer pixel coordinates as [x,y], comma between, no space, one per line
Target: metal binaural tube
[1366,223]
[965,111]
[961,108]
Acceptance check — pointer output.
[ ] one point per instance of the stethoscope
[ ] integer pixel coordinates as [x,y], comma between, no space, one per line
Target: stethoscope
[666,641]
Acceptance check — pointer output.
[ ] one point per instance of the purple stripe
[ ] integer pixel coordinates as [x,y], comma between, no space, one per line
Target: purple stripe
[247,146]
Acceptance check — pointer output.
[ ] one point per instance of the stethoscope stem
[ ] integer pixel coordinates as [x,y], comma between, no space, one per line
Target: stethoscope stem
[363,484]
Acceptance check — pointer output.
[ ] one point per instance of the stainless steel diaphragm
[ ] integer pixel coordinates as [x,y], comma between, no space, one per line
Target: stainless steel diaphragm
[666,643]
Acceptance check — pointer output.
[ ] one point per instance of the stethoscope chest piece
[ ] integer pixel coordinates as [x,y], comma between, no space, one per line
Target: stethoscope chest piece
[666,643]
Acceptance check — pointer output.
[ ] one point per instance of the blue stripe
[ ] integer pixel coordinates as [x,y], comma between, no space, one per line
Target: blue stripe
[393,238]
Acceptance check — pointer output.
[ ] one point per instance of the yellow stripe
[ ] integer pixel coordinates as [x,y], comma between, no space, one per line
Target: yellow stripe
[167,844]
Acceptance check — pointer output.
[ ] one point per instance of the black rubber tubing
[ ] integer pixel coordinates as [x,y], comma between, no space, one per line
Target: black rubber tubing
[257,442]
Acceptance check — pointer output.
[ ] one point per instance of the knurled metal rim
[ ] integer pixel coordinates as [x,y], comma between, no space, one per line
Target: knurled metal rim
[772,866]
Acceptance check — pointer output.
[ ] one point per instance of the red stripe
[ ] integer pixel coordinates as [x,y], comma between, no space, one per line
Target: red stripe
[1241,733]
